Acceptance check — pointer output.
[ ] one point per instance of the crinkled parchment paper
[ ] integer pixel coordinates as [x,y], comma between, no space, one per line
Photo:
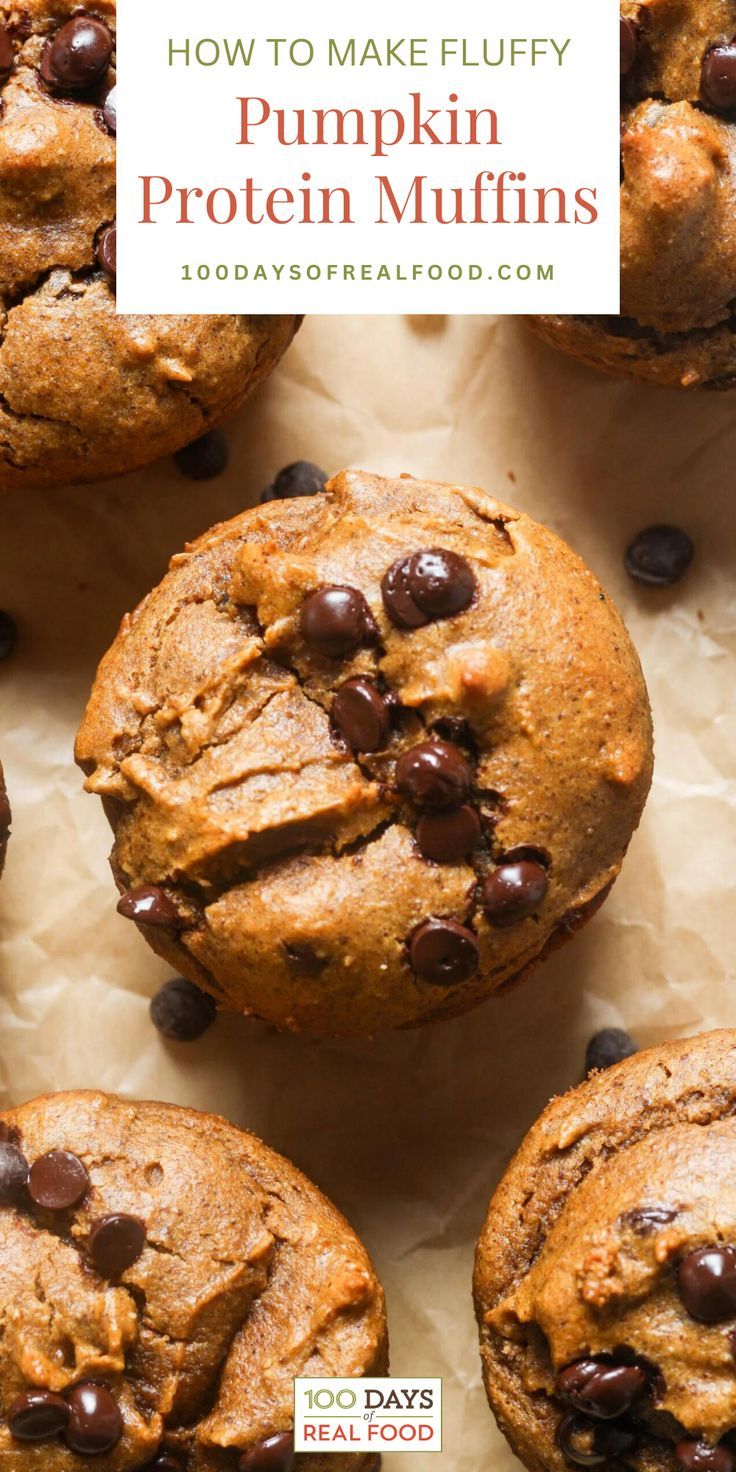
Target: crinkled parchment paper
[408,1133]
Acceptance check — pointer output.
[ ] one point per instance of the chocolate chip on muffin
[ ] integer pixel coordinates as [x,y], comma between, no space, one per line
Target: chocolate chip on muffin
[605,1280]
[160,1316]
[356,780]
[85,393]
[678,238]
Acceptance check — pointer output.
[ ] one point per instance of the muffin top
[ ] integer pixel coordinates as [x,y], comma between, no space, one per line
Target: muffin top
[5,819]
[164,1277]
[366,756]
[606,1271]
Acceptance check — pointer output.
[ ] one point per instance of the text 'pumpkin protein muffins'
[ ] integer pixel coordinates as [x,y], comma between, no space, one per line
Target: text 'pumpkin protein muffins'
[678,202]
[368,756]
[164,1277]
[606,1271]
[85,393]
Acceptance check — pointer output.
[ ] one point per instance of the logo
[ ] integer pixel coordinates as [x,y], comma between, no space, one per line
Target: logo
[387,1414]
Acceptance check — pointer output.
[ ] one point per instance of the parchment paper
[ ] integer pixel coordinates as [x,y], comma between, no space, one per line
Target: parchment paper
[408,1133]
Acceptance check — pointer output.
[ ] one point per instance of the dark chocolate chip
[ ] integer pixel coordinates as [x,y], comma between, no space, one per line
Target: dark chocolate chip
[706,1282]
[274,1454]
[602,1388]
[78,56]
[7,55]
[106,252]
[444,953]
[361,715]
[698,1456]
[109,111]
[514,892]
[204,458]
[303,958]
[434,774]
[645,1220]
[116,1241]
[13,1173]
[608,1047]
[590,1443]
[58,1180]
[659,556]
[8,635]
[336,621]
[432,584]
[95,1423]
[457,729]
[449,836]
[299,479]
[718,77]
[37,1415]
[181,1012]
[167,1462]
[629,44]
[149,905]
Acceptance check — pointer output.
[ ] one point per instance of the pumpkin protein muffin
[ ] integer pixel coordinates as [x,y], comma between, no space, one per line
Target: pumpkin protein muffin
[164,1277]
[84,393]
[678,202]
[605,1279]
[368,756]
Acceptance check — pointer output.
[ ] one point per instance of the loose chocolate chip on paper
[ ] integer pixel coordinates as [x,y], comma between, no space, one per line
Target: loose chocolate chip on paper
[448,837]
[37,1415]
[706,1282]
[116,1241]
[274,1454]
[718,77]
[608,1047]
[659,556]
[361,715]
[106,252]
[335,621]
[513,892]
[181,1012]
[7,55]
[299,479]
[8,635]
[434,774]
[205,457]
[629,44]
[13,1173]
[602,1388]
[57,1180]
[149,905]
[95,1422]
[78,55]
[444,953]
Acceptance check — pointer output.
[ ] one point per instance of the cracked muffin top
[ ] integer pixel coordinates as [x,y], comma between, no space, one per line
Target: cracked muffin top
[164,1277]
[678,201]
[605,1278]
[84,393]
[368,756]
[5,819]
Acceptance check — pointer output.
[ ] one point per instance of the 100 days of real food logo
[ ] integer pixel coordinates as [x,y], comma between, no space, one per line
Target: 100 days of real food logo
[388,1413]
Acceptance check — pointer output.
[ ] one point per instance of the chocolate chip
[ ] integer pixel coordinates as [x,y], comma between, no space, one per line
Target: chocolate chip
[588,1443]
[37,1415]
[274,1454]
[303,958]
[608,1047]
[600,1387]
[430,585]
[514,892]
[109,111]
[58,1180]
[706,1282]
[447,837]
[629,44]
[116,1242]
[299,479]
[718,77]
[167,1462]
[13,1173]
[456,729]
[659,556]
[181,1012]
[78,56]
[361,715]
[434,774]
[645,1220]
[698,1456]
[7,55]
[443,953]
[107,251]
[335,621]
[204,458]
[95,1423]
[8,635]
[149,905]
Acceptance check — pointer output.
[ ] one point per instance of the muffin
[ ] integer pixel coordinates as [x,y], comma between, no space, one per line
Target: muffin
[84,393]
[678,202]
[5,820]
[169,1276]
[368,756]
[605,1277]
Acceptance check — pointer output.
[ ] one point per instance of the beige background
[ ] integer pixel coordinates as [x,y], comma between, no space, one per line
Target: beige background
[407,1133]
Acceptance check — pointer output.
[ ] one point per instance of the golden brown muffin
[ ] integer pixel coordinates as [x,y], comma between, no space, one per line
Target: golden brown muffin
[678,202]
[605,1278]
[84,393]
[368,756]
[5,820]
[163,1279]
